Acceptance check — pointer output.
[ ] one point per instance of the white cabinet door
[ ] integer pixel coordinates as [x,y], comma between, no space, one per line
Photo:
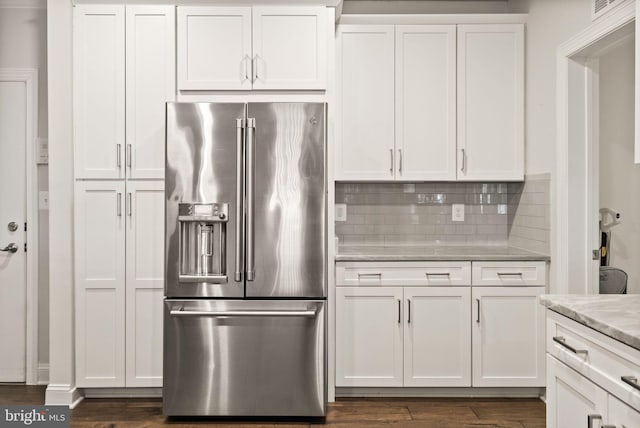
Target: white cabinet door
[214,48]
[368,336]
[145,286]
[508,336]
[99,85]
[150,80]
[365,74]
[100,283]
[491,102]
[437,336]
[572,398]
[289,47]
[622,415]
[426,102]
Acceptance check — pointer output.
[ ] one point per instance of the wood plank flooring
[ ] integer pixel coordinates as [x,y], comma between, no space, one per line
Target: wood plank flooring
[345,413]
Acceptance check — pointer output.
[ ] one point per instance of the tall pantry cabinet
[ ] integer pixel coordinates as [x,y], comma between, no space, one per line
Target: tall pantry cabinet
[124,62]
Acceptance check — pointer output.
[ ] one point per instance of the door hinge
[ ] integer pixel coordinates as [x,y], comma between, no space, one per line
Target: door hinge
[25,226]
[25,247]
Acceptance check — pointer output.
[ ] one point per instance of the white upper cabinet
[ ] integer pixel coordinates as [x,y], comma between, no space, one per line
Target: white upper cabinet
[289,48]
[244,48]
[99,85]
[144,282]
[491,102]
[365,149]
[150,80]
[110,143]
[214,48]
[426,102]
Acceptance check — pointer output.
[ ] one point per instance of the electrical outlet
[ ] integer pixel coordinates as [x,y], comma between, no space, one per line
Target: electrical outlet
[341,212]
[457,212]
[43,200]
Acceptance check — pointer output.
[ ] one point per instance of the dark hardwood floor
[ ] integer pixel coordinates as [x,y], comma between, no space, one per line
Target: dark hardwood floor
[346,412]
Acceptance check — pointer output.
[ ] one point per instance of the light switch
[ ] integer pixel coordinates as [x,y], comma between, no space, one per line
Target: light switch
[341,212]
[457,212]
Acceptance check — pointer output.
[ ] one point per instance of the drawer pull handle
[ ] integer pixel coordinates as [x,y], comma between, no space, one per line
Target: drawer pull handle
[370,276]
[632,381]
[447,274]
[591,418]
[510,274]
[562,342]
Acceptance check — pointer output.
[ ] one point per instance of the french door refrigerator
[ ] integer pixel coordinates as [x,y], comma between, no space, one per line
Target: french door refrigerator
[245,260]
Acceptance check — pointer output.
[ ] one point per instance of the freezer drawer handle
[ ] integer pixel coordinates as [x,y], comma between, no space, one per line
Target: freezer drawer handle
[310,313]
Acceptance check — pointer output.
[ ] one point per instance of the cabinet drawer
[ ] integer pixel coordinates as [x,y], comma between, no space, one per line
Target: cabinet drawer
[603,360]
[403,273]
[508,273]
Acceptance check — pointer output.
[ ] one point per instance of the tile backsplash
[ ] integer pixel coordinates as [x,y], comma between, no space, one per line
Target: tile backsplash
[420,213]
[530,213]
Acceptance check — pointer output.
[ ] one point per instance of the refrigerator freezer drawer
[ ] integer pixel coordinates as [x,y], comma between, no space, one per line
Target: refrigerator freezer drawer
[244,358]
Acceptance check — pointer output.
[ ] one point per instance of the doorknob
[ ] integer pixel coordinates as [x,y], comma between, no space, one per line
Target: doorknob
[11,248]
[12,227]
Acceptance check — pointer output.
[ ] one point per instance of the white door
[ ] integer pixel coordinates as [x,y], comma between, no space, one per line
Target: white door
[508,336]
[622,415]
[145,286]
[214,48]
[369,336]
[572,398]
[491,102]
[13,300]
[365,70]
[289,47]
[100,280]
[150,80]
[426,102]
[99,86]
[437,336]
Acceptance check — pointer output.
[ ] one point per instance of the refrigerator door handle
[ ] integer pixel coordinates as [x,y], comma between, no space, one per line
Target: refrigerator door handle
[309,313]
[251,125]
[239,199]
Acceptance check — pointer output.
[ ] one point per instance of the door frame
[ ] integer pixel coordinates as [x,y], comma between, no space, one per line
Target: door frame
[577,140]
[30,77]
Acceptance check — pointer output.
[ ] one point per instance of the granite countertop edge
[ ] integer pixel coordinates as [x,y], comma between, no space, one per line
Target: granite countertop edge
[400,253]
[603,313]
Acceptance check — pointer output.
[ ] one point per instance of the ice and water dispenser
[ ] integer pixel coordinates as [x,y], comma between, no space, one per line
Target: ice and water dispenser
[203,242]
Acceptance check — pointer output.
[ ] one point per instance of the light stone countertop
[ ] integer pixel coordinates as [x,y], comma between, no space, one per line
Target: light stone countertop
[615,315]
[348,253]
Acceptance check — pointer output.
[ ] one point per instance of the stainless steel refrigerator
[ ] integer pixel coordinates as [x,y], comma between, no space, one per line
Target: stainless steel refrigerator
[245,260]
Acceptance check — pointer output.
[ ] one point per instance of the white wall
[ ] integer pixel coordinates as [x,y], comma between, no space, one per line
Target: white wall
[619,176]
[23,43]
[550,23]
[399,6]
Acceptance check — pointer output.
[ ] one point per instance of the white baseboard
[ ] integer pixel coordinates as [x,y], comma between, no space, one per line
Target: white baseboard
[43,374]
[63,395]
[122,392]
[441,392]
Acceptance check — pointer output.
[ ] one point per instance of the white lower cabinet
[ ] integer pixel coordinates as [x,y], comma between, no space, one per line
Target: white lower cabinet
[395,336]
[437,334]
[591,377]
[119,283]
[508,336]
[369,336]
[576,400]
